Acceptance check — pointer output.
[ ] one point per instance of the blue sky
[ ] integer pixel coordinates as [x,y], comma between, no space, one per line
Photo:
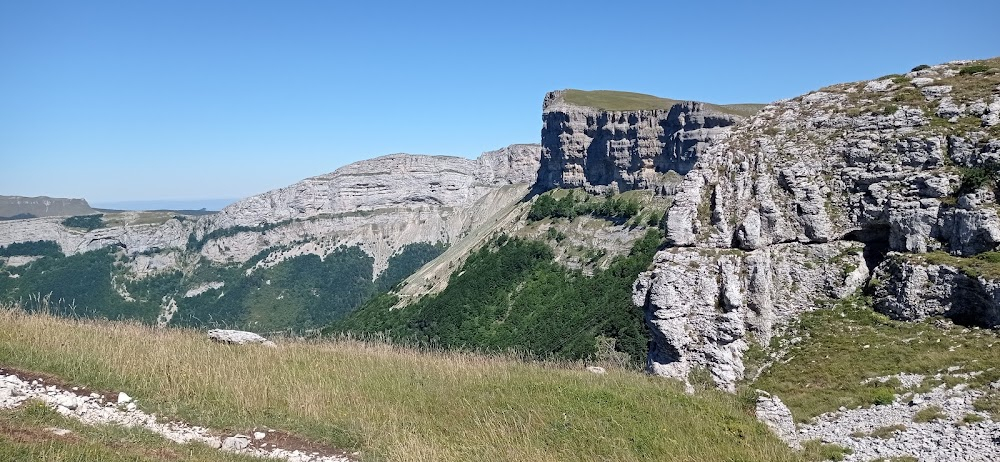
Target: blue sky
[140,100]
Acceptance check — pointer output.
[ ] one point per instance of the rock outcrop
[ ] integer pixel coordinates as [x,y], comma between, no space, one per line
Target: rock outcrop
[386,182]
[379,205]
[42,206]
[910,288]
[623,150]
[237,337]
[773,413]
[704,306]
[874,166]
[134,239]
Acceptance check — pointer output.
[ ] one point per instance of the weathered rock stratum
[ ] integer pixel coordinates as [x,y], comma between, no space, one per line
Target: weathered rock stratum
[42,206]
[380,205]
[621,150]
[800,202]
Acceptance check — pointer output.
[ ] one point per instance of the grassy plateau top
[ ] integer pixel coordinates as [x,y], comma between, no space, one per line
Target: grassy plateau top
[609,100]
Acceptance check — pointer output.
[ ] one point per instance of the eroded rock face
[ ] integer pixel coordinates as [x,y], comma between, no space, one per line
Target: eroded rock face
[393,181]
[622,150]
[134,239]
[772,412]
[379,205]
[704,306]
[911,289]
[875,163]
[42,206]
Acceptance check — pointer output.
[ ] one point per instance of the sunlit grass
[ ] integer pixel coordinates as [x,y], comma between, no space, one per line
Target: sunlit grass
[628,101]
[844,346]
[391,402]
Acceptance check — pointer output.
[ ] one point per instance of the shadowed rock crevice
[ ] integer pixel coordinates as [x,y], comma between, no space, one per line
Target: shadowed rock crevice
[875,239]
[910,288]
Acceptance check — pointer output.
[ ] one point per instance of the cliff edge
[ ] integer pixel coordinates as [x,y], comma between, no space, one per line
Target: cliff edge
[617,141]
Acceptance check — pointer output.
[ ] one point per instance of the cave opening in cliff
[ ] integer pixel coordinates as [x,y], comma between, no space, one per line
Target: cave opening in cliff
[876,243]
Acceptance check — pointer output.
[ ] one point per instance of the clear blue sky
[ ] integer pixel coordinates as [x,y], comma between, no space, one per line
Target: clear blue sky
[136,100]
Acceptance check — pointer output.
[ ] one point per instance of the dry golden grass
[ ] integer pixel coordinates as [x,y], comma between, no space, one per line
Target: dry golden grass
[390,402]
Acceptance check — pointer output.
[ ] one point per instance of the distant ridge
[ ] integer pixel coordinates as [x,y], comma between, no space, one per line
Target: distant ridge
[209,205]
[17,207]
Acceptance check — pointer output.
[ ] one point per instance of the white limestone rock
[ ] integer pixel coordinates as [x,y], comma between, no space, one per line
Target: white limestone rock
[235,443]
[705,306]
[910,289]
[814,172]
[622,150]
[879,85]
[237,337]
[380,205]
[772,412]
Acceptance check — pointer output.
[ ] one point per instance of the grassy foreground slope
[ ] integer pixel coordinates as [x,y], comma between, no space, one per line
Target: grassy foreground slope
[392,403]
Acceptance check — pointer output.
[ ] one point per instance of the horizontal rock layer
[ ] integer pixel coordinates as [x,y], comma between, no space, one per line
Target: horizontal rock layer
[42,206]
[622,150]
[883,165]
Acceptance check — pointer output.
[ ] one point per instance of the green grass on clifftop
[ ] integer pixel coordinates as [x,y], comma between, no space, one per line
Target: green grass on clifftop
[392,403]
[609,100]
[617,100]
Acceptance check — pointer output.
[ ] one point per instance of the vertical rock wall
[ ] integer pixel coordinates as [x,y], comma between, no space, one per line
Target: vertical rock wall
[802,201]
[622,150]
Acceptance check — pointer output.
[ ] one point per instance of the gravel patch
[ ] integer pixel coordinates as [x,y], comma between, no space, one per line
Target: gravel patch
[120,409]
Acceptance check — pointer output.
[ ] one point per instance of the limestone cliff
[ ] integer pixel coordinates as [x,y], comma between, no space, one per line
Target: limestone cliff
[133,237]
[42,206]
[379,204]
[829,182]
[620,150]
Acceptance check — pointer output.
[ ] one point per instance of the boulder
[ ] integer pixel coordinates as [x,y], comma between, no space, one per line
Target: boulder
[238,337]
[773,413]
[235,443]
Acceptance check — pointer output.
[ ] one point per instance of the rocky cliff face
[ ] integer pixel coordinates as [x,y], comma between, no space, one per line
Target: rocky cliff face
[829,182]
[42,206]
[913,288]
[705,306]
[623,150]
[387,182]
[135,239]
[380,205]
